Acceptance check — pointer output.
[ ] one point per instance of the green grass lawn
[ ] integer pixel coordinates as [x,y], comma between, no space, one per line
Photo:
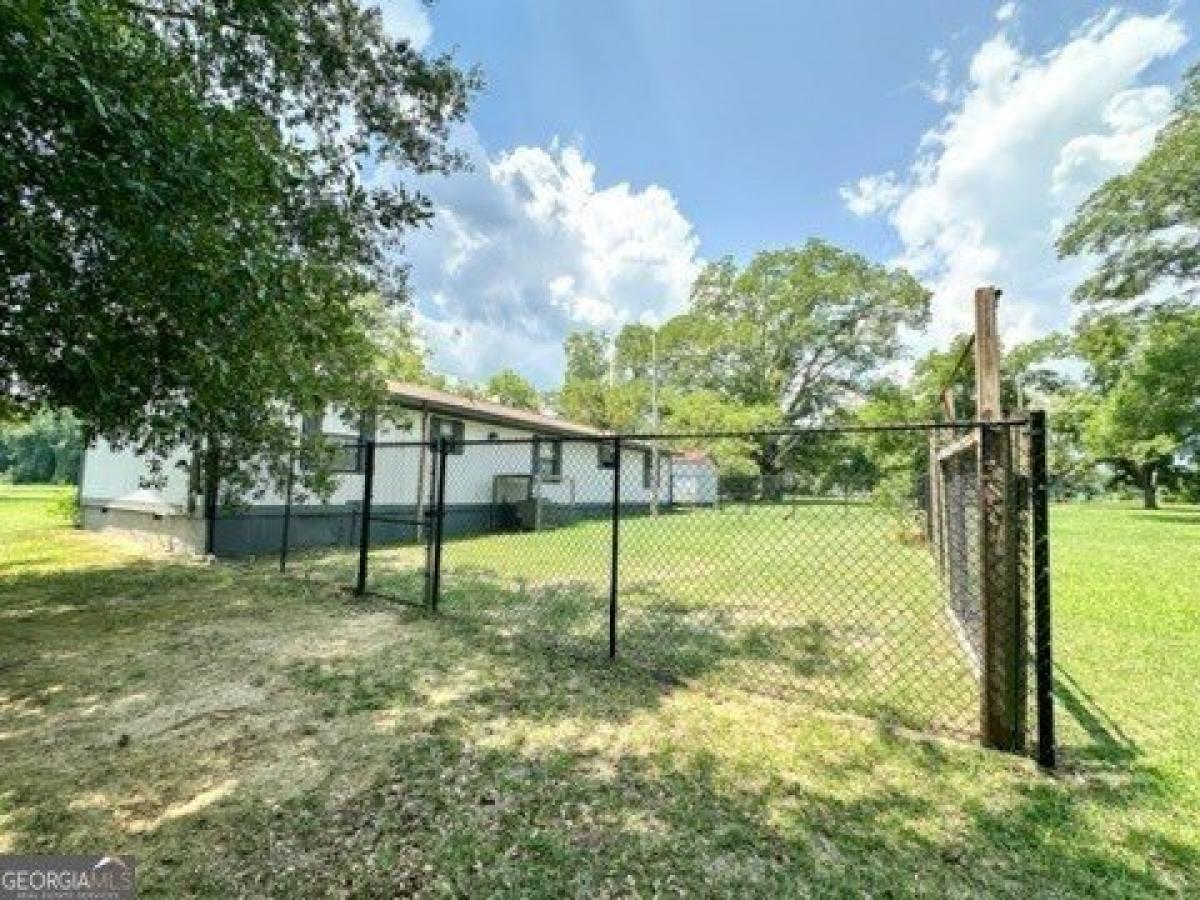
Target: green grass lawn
[246,735]
[837,604]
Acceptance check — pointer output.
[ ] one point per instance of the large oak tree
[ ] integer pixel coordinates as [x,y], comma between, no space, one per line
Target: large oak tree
[1140,336]
[1145,226]
[189,234]
[803,331]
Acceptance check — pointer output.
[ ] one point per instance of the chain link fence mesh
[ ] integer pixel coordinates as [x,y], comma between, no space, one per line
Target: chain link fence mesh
[880,572]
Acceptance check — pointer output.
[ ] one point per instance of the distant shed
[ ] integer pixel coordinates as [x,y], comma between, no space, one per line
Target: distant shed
[694,479]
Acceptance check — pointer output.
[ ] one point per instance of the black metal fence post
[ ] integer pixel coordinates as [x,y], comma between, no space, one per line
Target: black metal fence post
[443,450]
[1043,653]
[212,489]
[615,552]
[287,512]
[425,519]
[364,544]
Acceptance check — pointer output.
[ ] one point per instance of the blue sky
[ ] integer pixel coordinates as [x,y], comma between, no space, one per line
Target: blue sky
[619,144]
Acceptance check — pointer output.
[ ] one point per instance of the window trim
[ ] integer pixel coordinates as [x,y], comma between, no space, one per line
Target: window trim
[313,425]
[458,432]
[367,424]
[610,448]
[556,459]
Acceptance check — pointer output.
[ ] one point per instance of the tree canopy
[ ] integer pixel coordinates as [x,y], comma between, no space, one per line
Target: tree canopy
[802,329]
[1145,225]
[794,337]
[1144,408]
[512,389]
[189,242]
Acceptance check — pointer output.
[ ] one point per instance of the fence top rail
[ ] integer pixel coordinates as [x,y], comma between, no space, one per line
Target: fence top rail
[634,438]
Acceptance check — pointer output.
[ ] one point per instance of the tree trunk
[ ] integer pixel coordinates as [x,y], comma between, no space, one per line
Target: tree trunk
[1149,481]
[770,478]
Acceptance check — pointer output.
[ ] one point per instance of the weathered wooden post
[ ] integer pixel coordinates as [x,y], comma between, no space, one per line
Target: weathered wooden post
[1002,706]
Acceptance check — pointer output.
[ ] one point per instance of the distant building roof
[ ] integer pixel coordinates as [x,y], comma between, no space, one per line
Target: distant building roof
[422,397]
[419,396]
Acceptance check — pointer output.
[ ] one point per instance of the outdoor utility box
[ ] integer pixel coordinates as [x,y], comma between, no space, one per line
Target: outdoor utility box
[518,505]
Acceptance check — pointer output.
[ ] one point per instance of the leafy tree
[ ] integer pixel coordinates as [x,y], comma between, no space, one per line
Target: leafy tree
[633,351]
[46,448]
[705,411]
[510,388]
[800,330]
[401,355]
[1028,370]
[788,339]
[602,404]
[803,329]
[1031,374]
[1145,225]
[1144,409]
[587,356]
[187,240]
[594,392]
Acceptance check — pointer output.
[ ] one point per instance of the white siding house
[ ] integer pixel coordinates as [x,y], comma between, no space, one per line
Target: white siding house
[565,468]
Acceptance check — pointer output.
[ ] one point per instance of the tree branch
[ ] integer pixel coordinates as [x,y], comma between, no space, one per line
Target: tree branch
[187,16]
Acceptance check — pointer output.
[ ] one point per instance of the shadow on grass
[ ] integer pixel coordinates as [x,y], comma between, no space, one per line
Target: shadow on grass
[313,801]
[449,814]
[1108,745]
[732,646]
[1174,517]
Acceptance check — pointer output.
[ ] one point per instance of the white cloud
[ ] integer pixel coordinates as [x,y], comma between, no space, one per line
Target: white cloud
[407,19]
[939,89]
[1006,11]
[527,247]
[1028,138]
[872,194]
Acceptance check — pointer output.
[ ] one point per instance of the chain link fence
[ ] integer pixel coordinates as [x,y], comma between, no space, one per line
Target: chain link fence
[895,572]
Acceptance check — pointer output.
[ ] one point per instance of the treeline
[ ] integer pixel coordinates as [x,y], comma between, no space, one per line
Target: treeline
[806,336]
[811,345]
[46,448]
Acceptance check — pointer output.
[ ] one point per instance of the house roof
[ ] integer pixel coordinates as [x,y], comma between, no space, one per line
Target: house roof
[421,397]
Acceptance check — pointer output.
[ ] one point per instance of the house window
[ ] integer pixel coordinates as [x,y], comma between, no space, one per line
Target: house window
[493,435]
[547,458]
[449,429]
[648,469]
[366,432]
[348,453]
[606,456]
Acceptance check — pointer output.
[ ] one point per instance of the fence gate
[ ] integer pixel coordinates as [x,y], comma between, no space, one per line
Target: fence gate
[898,571]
